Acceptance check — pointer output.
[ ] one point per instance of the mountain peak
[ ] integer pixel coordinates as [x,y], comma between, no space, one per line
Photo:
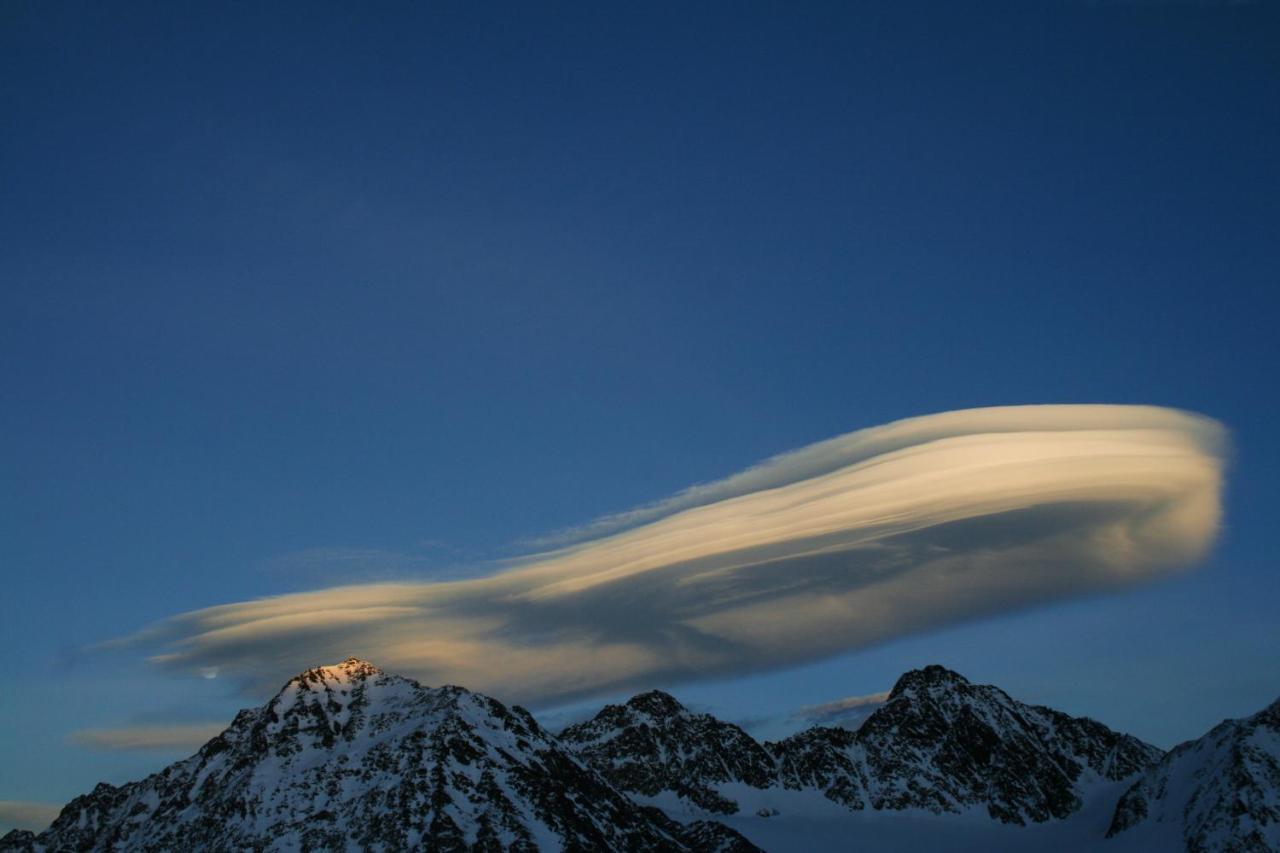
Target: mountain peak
[655,703]
[349,670]
[350,673]
[930,678]
[654,744]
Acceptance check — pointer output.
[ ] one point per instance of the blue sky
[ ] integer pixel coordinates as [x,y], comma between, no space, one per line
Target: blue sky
[299,296]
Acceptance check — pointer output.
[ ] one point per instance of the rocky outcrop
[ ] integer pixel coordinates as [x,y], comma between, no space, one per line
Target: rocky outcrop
[654,744]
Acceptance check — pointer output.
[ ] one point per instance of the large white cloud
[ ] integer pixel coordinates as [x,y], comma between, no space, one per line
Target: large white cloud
[848,542]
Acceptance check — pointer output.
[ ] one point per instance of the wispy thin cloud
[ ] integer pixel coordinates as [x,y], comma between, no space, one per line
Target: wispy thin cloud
[875,534]
[848,712]
[20,814]
[430,558]
[163,738]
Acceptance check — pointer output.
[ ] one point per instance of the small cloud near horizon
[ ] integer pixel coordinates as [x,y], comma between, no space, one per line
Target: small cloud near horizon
[877,534]
[21,814]
[156,738]
[848,712]
[429,558]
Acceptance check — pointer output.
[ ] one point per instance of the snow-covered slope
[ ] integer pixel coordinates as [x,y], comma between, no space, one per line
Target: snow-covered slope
[349,757]
[1218,793]
[939,744]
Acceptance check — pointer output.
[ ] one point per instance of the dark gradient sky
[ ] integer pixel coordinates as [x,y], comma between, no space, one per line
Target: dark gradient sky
[299,295]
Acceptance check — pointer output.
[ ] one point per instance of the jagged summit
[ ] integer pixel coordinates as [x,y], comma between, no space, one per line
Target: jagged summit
[653,744]
[655,703]
[356,665]
[945,744]
[930,679]
[939,743]
[351,669]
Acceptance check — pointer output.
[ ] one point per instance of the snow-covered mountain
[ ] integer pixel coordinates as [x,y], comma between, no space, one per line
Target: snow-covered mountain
[945,745]
[1218,793]
[654,744]
[349,757]
[939,744]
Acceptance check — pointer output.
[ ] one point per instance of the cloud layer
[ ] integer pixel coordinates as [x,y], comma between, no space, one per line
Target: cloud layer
[845,543]
[20,814]
[165,738]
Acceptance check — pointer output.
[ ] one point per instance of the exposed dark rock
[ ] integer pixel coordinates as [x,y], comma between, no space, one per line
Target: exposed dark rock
[938,743]
[653,744]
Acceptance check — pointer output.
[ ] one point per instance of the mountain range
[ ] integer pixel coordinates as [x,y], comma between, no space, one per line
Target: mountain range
[350,757]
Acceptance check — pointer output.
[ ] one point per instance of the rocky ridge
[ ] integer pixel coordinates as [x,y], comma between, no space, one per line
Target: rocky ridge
[653,744]
[938,743]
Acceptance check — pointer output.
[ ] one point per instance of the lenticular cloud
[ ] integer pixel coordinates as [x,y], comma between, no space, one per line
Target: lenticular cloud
[871,535]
